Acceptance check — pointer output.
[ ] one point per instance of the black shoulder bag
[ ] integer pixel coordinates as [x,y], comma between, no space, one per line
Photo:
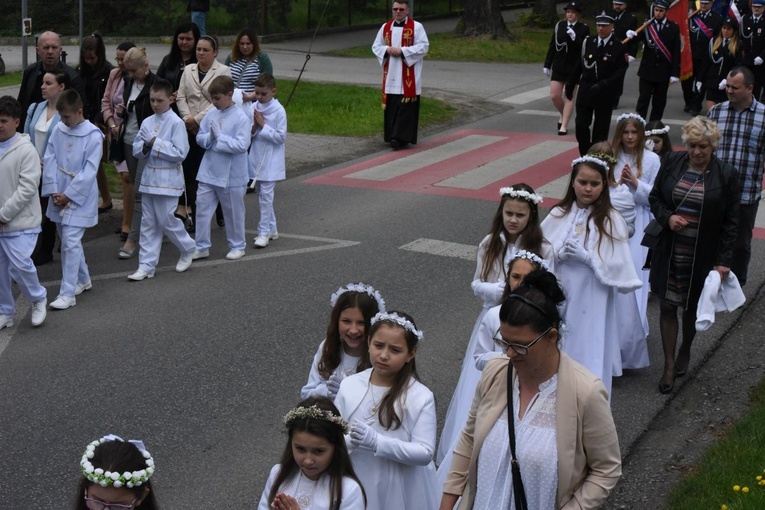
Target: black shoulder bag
[519,494]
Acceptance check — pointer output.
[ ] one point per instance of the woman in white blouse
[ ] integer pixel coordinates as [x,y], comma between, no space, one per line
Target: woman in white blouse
[565,439]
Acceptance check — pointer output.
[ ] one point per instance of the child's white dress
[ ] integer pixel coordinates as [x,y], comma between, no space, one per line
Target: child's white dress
[312,495]
[317,385]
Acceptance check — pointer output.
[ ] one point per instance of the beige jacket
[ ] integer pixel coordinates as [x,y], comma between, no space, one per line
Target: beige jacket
[589,461]
[193,98]
[19,177]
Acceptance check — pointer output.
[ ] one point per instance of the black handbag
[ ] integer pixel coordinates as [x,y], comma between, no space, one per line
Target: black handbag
[519,494]
[117,147]
[652,234]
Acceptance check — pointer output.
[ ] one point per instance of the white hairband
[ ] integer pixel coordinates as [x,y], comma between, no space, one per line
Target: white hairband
[635,116]
[401,321]
[521,193]
[105,478]
[590,159]
[657,132]
[359,287]
[533,257]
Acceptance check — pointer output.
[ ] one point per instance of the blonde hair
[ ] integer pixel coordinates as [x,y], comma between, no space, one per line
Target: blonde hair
[701,129]
[136,56]
[621,126]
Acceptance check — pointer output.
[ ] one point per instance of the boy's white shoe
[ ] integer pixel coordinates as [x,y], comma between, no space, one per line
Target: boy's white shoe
[200,254]
[235,254]
[5,321]
[63,302]
[39,312]
[273,235]
[261,242]
[82,287]
[140,275]
[184,262]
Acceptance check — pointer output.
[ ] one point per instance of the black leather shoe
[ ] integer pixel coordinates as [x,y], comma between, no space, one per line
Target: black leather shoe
[667,387]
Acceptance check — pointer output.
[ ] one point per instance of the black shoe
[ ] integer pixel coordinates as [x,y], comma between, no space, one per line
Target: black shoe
[102,210]
[249,188]
[667,387]
[219,217]
[395,144]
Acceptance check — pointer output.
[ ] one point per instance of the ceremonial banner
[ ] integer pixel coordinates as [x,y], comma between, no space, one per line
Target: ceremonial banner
[678,12]
[726,8]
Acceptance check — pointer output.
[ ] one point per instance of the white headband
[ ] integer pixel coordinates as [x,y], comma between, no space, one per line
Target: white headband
[521,193]
[401,321]
[590,159]
[533,257]
[635,116]
[657,132]
[105,478]
[359,287]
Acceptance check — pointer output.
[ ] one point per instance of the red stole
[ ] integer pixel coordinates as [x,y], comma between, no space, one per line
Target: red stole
[407,71]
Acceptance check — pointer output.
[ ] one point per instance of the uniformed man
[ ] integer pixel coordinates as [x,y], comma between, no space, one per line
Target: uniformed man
[704,26]
[598,74]
[660,64]
[624,22]
[752,32]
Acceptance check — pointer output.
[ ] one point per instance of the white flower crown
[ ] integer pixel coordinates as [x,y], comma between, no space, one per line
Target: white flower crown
[533,257]
[105,478]
[657,132]
[635,116]
[316,413]
[394,317]
[590,159]
[521,193]
[359,287]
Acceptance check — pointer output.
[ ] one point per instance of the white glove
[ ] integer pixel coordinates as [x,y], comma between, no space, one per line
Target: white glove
[214,129]
[649,144]
[674,79]
[571,33]
[546,70]
[631,34]
[575,251]
[333,384]
[697,86]
[630,59]
[363,436]
[757,61]
[723,84]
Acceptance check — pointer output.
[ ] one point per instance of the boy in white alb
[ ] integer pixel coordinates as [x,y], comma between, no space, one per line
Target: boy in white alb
[225,134]
[69,178]
[163,142]
[20,216]
[269,132]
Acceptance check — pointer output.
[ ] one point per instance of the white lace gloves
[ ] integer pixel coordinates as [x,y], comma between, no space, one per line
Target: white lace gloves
[649,144]
[363,436]
[575,251]
[757,61]
[631,34]
[723,84]
[697,86]
[571,33]
[333,384]
[673,79]
[546,70]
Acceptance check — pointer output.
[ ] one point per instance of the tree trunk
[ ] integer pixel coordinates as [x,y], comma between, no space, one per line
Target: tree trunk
[545,13]
[483,18]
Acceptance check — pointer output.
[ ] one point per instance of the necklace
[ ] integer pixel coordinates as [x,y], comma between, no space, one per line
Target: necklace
[375,407]
[304,496]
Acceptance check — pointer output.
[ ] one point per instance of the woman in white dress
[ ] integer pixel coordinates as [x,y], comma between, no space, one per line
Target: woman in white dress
[393,419]
[515,227]
[590,241]
[315,472]
[565,441]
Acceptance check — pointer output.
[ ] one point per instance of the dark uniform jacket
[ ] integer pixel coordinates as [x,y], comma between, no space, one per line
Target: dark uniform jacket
[599,71]
[563,52]
[753,39]
[654,66]
[717,64]
[622,22]
[699,40]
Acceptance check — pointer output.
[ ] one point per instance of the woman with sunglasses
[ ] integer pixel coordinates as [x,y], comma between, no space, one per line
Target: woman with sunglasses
[116,476]
[560,434]
[134,108]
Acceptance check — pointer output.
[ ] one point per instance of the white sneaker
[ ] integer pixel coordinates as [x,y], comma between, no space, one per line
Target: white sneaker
[63,302]
[273,235]
[261,242]
[235,254]
[39,312]
[82,287]
[200,254]
[140,275]
[5,321]
[184,262]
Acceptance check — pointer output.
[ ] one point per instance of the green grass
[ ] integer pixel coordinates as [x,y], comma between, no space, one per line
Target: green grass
[734,461]
[9,79]
[346,110]
[528,46]
[114,180]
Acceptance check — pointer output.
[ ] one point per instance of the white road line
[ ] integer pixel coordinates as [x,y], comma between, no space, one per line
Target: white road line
[545,113]
[402,166]
[502,168]
[527,97]
[556,188]
[442,248]
[22,305]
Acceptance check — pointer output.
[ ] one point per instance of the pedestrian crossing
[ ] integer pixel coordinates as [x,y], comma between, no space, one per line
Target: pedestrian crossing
[474,164]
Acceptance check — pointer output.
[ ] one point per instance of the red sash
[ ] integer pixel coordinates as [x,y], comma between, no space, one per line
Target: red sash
[703,27]
[659,43]
[407,71]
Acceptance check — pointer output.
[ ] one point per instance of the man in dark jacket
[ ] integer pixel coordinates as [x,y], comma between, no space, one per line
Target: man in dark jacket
[49,51]
[624,22]
[704,26]
[660,64]
[753,44]
[198,10]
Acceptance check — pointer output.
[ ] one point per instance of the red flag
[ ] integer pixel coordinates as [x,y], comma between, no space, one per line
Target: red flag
[678,12]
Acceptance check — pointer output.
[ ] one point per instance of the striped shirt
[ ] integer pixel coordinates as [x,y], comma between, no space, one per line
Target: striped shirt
[244,73]
[742,145]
